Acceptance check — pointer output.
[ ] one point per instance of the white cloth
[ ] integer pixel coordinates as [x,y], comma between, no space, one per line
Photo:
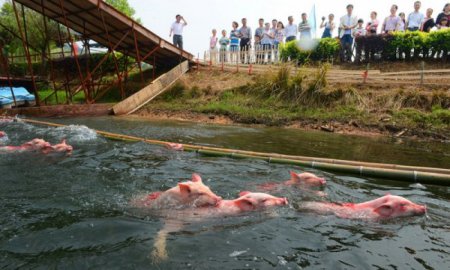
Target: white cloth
[291,30]
[177,28]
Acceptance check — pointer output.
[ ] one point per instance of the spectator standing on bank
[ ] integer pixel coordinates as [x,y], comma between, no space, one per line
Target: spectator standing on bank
[259,33]
[392,22]
[304,27]
[428,21]
[329,26]
[445,13]
[234,41]
[224,41]
[359,30]
[372,25]
[213,46]
[279,38]
[402,26]
[177,30]
[415,18]
[347,24]
[267,43]
[443,24]
[291,30]
[245,33]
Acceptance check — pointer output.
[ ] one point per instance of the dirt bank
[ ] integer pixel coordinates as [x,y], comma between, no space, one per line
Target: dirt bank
[306,102]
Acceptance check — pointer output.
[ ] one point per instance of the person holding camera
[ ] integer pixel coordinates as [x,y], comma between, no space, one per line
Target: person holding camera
[329,26]
[177,30]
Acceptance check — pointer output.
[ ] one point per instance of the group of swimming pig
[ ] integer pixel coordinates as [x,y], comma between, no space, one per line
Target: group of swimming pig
[35,145]
[195,194]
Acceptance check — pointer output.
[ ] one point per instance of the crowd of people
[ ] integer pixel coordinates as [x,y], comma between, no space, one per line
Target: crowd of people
[269,35]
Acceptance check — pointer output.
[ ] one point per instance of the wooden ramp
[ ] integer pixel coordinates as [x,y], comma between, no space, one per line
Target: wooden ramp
[146,94]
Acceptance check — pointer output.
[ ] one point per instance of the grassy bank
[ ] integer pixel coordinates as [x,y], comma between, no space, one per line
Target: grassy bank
[279,99]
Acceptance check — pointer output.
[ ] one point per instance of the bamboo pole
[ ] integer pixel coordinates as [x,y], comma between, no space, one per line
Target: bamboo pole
[414,174]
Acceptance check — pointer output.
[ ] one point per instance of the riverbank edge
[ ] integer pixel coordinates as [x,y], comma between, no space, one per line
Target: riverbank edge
[337,127]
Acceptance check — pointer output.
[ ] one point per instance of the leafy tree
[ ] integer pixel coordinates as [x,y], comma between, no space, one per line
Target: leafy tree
[124,7]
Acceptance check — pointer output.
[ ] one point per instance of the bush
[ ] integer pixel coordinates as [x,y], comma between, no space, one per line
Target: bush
[404,45]
[327,49]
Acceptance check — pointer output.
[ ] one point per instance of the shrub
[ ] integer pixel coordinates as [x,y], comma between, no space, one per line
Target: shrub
[404,45]
[326,49]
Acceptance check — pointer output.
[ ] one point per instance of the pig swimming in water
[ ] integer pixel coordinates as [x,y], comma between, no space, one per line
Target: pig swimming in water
[38,145]
[33,145]
[386,207]
[191,193]
[175,146]
[247,202]
[303,181]
[3,137]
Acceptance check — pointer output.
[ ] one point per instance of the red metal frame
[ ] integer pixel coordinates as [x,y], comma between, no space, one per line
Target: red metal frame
[27,53]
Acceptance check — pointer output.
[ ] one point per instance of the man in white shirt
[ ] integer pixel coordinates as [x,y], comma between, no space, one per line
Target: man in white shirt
[291,30]
[346,27]
[177,30]
[415,18]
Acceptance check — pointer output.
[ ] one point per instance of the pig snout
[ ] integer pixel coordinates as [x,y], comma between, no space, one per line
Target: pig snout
[421,209]
[322,181]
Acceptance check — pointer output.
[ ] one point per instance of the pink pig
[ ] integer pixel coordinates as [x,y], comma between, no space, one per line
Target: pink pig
[305,179]
[2,134]
[62,147]
[248,201]
[33,145]
[175,146]
[302,180]
[386,207]
[176,220]
[191,193]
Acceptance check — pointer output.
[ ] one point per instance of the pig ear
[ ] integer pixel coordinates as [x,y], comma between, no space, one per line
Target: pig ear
[243,193]
[196,178]
[384,210]
[184,188]
[294,175]
[244,204]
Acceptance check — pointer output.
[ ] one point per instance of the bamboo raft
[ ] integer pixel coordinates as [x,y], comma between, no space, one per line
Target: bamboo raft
[414,174]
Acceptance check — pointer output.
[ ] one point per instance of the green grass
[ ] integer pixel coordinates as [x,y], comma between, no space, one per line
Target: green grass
[78,98]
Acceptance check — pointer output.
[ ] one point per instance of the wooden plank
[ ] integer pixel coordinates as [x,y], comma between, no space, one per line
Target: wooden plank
[146,94]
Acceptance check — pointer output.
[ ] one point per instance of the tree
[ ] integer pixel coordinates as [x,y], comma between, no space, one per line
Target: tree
[124,7]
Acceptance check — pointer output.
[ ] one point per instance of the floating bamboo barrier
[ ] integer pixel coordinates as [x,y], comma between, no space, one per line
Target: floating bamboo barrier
[415,174]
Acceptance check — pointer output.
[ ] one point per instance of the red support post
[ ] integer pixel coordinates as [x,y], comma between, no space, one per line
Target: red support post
[6,66]
[116,66]
[27,53]
[138,58]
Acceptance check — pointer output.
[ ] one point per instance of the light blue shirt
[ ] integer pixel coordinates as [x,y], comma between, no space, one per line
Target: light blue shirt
[415,19]
[349,22]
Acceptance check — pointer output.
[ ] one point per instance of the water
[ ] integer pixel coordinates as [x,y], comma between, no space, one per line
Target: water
[72,213]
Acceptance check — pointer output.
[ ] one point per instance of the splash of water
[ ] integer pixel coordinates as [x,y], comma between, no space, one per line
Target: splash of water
[74,133]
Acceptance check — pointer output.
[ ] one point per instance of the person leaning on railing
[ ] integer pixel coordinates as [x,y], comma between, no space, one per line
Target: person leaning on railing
[291,30]
[415,18]
[245,34]
[392,22]
[445,13]
[234,41]
[224,41]
[347,24]
[428,22]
